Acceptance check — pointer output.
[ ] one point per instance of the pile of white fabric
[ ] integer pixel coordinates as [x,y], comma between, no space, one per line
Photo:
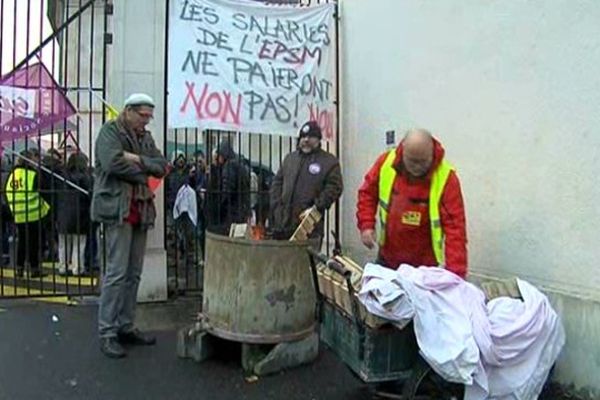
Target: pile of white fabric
[501,350]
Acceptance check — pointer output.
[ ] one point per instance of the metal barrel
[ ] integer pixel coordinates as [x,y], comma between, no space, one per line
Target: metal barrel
[257,291]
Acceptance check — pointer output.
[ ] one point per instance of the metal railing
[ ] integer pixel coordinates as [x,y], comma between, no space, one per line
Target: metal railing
[69,37]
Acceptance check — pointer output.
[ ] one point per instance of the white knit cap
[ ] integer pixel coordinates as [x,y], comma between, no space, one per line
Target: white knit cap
[139,99]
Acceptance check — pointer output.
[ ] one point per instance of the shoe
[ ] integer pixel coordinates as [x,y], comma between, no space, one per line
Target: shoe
[65,273]
[37,274]
[20,273]
[111,348]
[387,390]
[136,337]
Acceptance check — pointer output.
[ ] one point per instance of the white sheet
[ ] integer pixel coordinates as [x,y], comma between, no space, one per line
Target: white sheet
[500,350]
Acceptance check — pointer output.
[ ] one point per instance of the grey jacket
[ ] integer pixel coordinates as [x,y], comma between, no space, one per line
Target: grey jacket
[302,181]
[116,178]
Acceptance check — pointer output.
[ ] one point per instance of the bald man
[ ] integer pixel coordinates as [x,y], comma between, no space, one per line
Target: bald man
[415,193]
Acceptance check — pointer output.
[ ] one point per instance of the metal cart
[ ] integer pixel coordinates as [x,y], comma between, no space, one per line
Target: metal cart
[386,358]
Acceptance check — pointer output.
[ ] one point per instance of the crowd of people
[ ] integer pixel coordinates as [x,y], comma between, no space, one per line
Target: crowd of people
[209,193]
[54,202]
[45,217]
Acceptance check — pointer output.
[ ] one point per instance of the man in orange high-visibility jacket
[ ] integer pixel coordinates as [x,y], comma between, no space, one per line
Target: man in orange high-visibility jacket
[415,194]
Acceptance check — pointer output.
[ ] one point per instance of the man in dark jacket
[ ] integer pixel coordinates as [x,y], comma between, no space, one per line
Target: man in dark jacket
[53,161]
[178,177]
[6,216]
[73,215]
[126,156]
[308,177]
[231,180]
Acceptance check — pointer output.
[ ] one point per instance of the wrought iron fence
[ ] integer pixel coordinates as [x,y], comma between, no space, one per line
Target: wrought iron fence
[43,255]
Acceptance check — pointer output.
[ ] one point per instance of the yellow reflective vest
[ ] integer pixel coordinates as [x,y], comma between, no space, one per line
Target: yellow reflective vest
[387,175]
[24,202]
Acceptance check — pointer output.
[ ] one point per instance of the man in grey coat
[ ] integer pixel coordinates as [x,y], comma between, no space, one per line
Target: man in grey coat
[309,176]
[125,156]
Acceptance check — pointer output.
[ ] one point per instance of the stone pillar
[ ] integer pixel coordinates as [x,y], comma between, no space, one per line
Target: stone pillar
[136,64]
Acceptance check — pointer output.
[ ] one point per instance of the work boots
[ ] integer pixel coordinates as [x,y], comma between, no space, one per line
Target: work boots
[111,347]
[135,337]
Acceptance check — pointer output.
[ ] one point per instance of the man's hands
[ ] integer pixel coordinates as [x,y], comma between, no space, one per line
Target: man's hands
[132,157]
[304,213]
[368,238]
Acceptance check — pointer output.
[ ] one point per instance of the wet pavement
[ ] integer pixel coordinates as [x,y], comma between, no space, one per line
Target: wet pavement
[50,351]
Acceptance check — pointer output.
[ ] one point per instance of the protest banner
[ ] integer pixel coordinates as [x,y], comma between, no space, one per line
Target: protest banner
[30,101]
[242,65]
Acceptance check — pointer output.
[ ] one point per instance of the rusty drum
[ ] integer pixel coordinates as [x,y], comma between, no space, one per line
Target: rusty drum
[257,291]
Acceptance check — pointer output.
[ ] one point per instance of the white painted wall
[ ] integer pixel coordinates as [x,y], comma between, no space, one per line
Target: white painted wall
[512,90]
[82,47]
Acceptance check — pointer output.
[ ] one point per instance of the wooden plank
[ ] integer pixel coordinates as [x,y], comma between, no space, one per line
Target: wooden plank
[307,225]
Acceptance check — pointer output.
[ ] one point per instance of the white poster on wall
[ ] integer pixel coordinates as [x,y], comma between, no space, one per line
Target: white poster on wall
[245,66]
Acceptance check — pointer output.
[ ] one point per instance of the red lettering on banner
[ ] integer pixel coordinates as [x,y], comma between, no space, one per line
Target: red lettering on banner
[212,105]
[324,118]
[279,51]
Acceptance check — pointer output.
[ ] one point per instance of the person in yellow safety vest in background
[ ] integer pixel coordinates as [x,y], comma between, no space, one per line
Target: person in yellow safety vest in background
[415,194]
[25,198]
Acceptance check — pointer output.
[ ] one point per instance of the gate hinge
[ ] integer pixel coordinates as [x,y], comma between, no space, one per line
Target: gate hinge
[108,38]
[109,8]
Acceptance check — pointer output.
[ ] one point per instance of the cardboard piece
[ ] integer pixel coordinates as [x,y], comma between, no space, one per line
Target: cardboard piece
[307,225]
[335,290]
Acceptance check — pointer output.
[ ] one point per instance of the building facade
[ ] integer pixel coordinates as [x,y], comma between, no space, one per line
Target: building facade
[512,91]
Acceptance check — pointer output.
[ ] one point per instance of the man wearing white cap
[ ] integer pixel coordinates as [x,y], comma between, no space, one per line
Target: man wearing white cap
[125,157]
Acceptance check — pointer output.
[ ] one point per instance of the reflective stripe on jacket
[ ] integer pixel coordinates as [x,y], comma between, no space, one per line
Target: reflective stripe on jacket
[387,175]
[24,201]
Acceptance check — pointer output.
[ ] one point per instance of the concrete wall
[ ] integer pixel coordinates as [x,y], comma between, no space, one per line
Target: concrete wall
[82,45]
[512,89]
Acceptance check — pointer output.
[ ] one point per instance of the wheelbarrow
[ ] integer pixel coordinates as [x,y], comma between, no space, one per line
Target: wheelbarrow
[385,358]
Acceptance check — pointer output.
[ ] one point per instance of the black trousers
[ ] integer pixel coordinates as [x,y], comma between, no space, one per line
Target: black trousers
[28,245]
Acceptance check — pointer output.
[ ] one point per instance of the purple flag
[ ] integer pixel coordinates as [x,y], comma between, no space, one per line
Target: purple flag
[30,100]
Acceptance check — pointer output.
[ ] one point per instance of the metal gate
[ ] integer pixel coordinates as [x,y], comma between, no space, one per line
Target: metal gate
[191,151]
[49,257]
